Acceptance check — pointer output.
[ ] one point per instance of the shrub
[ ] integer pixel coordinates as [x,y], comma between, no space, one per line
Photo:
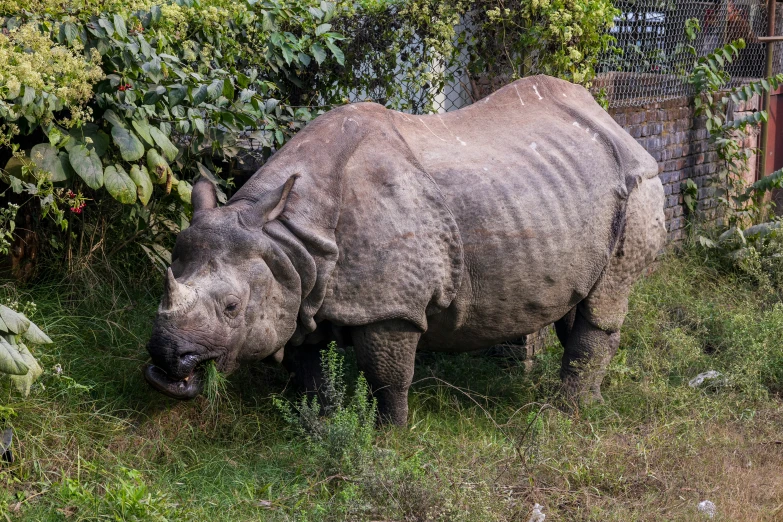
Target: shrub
[180,85]
[341,426]
[562,38]
[16,361]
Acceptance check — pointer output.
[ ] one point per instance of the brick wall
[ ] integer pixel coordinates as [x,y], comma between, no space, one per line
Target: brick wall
[679,142]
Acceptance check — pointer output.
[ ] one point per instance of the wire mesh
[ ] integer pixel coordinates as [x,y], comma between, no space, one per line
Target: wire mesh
[649,64]
[653,57]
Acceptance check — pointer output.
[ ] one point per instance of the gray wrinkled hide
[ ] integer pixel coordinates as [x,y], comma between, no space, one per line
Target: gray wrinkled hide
[447,232]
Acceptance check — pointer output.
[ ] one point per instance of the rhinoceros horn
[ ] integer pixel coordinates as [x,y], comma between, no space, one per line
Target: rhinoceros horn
[178,296]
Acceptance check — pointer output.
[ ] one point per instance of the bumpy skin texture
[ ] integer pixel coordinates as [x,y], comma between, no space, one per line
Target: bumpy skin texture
[445,232]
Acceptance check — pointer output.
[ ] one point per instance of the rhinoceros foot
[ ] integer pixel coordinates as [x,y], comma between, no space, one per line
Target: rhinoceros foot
[182,389]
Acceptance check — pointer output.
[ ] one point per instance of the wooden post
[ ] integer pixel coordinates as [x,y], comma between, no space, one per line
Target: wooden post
[770,40]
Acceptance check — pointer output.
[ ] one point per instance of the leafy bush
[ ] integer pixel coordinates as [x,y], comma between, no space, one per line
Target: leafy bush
[185,86]
[16,361]
[562,38]
[124,496]
[339,427]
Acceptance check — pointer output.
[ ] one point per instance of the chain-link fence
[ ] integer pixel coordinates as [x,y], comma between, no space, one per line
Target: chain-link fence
[652,56]
[654,52]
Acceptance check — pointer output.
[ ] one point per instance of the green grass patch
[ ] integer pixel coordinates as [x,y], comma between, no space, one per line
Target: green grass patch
[486,440]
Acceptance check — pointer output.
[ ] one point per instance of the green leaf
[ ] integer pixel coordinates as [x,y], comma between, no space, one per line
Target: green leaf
[35,335]
[177,93]
[55,135]
[111,116]
[154,95]
[228,89]
[288,54]
[70,31]
[16,322]
[100,140]
[29,95]
[24,382]
[143,128]
[107,25]
[168,148]
[319,53]
[146,49]
[215,89]
[48,160]
[11,360]
[200,94]
[158,167]
[119,26]
[141,178]
[87,165]
[119,184]
[130,147]
[338,54]
[321,29]
[184,189]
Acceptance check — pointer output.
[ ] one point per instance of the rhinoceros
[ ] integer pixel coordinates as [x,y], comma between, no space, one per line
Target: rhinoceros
[395,233]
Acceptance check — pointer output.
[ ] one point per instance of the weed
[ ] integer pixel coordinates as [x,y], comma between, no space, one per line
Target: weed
[339,427]
[124,496]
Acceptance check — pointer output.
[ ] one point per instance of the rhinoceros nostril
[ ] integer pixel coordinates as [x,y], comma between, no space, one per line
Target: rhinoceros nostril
[187,360]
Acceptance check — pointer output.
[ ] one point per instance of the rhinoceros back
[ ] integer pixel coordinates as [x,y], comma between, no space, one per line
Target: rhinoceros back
[537,176]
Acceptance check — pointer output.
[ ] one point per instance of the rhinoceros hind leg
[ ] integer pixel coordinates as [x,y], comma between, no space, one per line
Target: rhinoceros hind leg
[385,353]
[587,352]
[595,335]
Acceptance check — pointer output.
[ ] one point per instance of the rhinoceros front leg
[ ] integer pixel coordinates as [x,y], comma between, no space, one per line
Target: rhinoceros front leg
[385,353]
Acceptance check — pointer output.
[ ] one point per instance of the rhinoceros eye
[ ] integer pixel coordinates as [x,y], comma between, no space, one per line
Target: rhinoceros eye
[231,308]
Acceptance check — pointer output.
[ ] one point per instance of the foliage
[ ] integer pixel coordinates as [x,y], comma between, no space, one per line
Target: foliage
[744,204]
[111,110]
[397,53]
[16,361]
[562,38]
[183,83]
[339,427]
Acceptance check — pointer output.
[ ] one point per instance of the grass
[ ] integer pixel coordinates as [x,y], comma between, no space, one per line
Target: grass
[485,440]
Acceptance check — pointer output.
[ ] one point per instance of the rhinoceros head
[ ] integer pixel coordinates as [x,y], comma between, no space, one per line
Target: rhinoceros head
[223,299]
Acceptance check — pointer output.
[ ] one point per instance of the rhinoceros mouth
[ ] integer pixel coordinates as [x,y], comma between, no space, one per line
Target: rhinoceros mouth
[182,389]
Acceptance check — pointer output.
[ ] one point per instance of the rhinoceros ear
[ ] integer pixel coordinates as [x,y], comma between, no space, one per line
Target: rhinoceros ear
[272,204]
[203,195]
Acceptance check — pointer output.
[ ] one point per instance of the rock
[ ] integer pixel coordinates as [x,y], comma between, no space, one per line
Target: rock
[707,508]
[703,377]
